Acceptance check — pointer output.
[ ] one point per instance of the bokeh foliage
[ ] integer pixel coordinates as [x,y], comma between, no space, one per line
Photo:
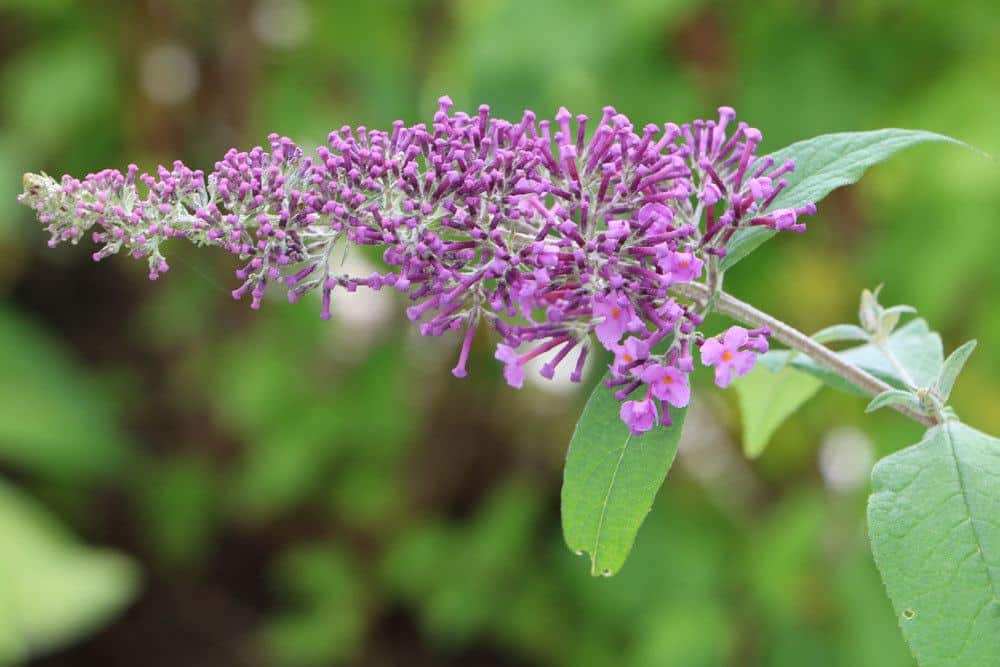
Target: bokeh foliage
[297,492]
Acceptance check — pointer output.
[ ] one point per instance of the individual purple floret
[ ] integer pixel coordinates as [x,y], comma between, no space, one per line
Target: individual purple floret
[528,227]
[733,353]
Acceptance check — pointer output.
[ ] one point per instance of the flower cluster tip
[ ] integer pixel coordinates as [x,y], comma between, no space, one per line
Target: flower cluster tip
[551,233]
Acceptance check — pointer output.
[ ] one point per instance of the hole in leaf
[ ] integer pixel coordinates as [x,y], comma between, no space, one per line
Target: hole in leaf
[909,614]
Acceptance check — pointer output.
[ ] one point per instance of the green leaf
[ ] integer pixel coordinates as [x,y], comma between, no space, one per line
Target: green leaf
[918,349]
[55,420]
[952,367]
[58,87]
[323,620]
[840,332]
[767,398]
[935,534]
[895,397]
[611,478]
[870,310]
[823,164]
[52,590]
[901,309]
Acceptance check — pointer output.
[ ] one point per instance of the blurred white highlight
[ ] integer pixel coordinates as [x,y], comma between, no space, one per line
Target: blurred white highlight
[281,24]
[846,457]
[168,73]
[362,315]
[560,382]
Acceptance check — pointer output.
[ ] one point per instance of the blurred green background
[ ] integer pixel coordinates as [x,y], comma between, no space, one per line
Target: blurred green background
[184,482]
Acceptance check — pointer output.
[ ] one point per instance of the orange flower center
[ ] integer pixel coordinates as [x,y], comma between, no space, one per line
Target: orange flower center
[616,312]
[667,380]
[628,358]
[727,356]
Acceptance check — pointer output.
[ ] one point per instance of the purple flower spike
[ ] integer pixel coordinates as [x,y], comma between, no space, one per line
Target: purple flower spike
[531,228]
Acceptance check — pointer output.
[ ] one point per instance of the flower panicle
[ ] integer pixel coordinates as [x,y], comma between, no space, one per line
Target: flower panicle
[529,227]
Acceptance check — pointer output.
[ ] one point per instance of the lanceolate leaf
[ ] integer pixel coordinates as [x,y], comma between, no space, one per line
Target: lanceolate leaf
[895,397]
[767,398]
[823,164]
[934,523]
[610,480]
[840,332]
[901,309]
[952,367]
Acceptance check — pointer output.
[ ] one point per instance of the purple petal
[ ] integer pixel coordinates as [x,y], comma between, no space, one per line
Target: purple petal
[724,375]
[734,338]
[711,352]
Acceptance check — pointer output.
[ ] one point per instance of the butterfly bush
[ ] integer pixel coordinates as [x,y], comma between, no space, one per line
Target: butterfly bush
[530,228]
